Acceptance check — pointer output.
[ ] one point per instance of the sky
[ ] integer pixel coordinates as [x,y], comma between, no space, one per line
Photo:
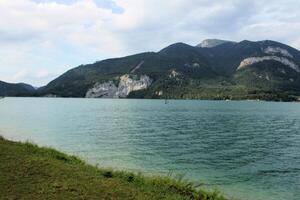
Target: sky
[41,39]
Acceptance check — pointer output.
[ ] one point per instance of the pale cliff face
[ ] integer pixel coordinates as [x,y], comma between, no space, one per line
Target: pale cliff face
[209,43]
[104,90]
[173,74]
[272,52]
[126,85]
[252,60]
[277,50]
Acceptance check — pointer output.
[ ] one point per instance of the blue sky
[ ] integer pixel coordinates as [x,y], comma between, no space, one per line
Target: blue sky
[40,39]
[100,3]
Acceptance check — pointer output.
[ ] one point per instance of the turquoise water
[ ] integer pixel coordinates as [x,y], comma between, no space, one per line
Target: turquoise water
[248,150]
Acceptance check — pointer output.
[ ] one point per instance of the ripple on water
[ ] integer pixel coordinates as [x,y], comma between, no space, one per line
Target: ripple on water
[249,150]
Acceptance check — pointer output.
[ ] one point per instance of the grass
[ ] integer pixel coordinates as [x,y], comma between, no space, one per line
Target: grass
[31,172]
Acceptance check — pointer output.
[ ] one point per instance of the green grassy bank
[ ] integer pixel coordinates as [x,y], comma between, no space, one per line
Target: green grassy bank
[31,172]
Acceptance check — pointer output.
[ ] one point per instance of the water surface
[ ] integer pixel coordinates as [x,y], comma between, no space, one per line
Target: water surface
[249,150]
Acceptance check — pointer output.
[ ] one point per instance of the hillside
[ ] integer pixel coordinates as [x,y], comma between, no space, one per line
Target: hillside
[214,69]
[219,70]
[19,89]
[30,172]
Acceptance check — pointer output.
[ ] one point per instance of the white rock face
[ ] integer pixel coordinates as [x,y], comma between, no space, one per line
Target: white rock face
[273,50]
[173,74]
[252,60]
[196,65]
[102,90]
[282,71]
[126,85]
[159,93]
[209,43]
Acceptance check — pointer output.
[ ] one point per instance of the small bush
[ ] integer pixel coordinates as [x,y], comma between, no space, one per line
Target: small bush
[130,178]
[107,174]
[61,157]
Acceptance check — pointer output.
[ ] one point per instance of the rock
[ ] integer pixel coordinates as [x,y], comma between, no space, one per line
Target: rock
[159,93]
[282,71]
[277,50]
[173,74]
[252,60]
[126,85]
[102,90]
[196,65]
[209,43]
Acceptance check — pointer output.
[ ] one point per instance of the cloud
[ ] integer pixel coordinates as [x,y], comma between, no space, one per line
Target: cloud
[20,75]
[29,75]
[56,35]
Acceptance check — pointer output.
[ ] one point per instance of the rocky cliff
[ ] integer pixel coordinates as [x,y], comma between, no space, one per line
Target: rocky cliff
[216,69]
[126,85]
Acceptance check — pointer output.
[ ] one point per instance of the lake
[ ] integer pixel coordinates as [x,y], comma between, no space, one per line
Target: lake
[248,150]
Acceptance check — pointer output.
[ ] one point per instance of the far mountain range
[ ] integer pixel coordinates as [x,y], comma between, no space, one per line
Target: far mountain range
[214,69]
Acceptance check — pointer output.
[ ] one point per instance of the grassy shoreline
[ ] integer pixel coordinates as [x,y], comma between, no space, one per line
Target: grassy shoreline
[32,172]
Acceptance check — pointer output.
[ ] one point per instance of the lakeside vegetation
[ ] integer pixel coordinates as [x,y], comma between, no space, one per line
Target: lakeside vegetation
[32,172]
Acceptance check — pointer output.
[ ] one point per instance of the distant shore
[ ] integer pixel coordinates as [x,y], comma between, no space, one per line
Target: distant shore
[294,99]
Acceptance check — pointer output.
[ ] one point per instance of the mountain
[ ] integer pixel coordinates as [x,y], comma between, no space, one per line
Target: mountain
[19,89]
[209,43]
[216,69]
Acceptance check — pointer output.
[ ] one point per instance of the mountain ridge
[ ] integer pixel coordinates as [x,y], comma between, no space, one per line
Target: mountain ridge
[266,70]
[16,89]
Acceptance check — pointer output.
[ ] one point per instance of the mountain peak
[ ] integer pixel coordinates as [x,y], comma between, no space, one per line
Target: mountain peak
[209,43]
[177,48]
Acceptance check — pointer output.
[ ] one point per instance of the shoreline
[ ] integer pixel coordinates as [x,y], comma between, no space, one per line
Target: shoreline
[30,171]
[214,100]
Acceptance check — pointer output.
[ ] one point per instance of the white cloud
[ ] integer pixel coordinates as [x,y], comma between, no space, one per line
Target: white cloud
[43,73]
[52,36]
[19,75]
